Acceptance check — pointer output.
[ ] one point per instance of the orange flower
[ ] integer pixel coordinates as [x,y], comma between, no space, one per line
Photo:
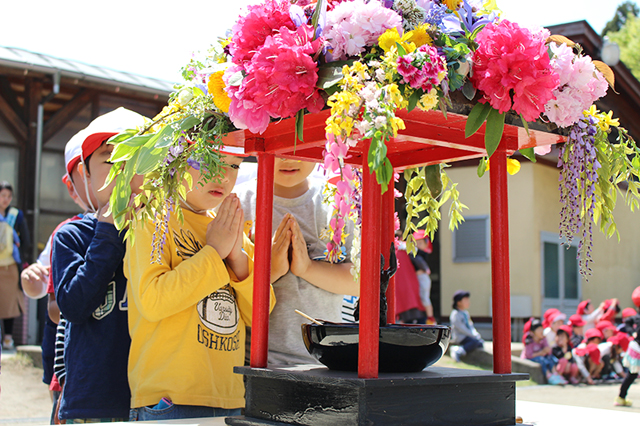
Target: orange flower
[216,90]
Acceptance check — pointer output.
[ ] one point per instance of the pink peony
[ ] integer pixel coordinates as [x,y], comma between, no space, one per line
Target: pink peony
[352,26]
[251,30]
[513,62]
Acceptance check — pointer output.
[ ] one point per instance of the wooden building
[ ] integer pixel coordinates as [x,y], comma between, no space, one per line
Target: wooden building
[43,102]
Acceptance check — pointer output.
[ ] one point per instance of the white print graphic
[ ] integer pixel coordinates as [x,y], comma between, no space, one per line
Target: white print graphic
[218,311]
[109,302]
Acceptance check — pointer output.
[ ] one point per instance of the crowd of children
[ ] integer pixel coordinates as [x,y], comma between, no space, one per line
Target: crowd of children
[588,348]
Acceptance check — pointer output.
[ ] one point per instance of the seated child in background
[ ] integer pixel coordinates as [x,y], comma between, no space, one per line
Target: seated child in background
[611,352]
[631,359]
[463,333]
[628,324]
[188,308]
[90,288]
[555,321]
[588,360]
[537,349]
[302,278]
[577,329]
[566,365]
[606,328]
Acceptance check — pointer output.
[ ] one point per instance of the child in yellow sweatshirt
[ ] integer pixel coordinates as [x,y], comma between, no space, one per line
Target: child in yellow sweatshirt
[188,312]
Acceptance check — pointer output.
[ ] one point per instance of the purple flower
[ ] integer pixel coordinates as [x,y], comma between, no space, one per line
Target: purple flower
[193,163]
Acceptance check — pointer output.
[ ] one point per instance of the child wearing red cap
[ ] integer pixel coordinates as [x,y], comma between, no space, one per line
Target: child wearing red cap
[423,273]
[589,315]
[631,359]
[554,322]
[577,329]
[566,366]
[588,359]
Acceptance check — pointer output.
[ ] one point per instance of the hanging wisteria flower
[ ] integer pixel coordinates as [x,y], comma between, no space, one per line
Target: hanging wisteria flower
[354,25]
[513,62]
[578,177]
[580,85]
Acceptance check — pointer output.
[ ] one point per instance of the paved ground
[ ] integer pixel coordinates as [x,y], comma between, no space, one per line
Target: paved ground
[24,399]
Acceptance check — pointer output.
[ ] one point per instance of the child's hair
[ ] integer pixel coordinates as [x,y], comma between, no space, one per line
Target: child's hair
[6,185]
[458,296]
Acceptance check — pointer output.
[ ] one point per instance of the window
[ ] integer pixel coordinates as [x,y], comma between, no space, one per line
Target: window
[471,242]
[561,281]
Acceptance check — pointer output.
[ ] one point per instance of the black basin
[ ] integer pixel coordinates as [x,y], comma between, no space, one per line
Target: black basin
[403,348]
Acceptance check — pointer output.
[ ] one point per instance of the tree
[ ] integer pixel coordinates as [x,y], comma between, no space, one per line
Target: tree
[628,38]
[621,16]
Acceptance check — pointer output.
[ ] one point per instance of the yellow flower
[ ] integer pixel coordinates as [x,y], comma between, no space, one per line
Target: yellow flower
[452,4]
[607,120]
[513,166]
[419,36]
[389,38]
[395,97]
[216,90]
[489,6]
[593,111]
[428,100]
[397,124]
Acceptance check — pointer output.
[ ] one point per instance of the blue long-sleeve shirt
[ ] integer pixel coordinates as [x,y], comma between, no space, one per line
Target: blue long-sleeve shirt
[90,289]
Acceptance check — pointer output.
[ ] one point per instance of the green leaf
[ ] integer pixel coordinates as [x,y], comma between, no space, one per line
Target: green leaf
[236,79]
[299,127]
[482,167]
[469,91]
[528,152]
[526,126]
[188,123]
[122,152]
[329,76]
[149,159]
[413,99]
[476,118]
[120,137]
[401,50]
[495,128]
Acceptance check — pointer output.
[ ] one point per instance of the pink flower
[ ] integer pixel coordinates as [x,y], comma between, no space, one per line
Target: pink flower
[354,25]
[422,68]
[251,30]
[513,61]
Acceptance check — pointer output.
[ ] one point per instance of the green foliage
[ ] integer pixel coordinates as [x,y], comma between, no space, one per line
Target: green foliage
[621,17]
[628,38]
[494,130]
[423,206]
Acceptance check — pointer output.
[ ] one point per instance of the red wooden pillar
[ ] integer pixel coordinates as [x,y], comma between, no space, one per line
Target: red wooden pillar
[500,263]
[369,273]
[262,265]
[388,208]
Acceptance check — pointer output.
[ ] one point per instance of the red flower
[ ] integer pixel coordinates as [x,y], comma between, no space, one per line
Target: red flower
[513,62]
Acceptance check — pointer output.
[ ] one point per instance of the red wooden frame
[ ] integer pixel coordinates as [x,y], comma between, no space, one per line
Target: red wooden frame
[429,138]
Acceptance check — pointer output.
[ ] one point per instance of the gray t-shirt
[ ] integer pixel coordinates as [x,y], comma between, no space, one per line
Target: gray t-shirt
[285,336]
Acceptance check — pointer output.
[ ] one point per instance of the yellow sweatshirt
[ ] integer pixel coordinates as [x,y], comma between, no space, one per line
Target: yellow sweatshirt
[187,318]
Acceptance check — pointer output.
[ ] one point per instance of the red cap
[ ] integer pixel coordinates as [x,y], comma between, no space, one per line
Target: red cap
[591,350]
[628,312]
[603,325]
[567,329]
[635,296]
[582,306]
[593,332]
[546,318]
[420,234]
[576,320]
[620,339]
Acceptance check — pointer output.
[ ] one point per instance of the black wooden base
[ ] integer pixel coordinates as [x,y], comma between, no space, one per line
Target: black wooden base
[311,395]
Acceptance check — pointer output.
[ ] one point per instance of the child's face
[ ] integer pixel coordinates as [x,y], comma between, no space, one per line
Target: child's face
[561,339]
[6,195]
[578,331]
[556,325]
[210,195]
[464,303]
[608,332]
[588,309]
[538,333]
[99,168]
[422,244]
[290,173]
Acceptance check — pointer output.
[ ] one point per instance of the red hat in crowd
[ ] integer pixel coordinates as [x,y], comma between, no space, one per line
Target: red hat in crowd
[620,339]
[628,312]
[559,316]
[593,332]
[582,306]
[566,328]
[603,325]
[635,296]
[591,350]
[546,318]
[576,320]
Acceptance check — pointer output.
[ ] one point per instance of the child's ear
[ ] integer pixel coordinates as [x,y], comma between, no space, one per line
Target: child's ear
[81,169]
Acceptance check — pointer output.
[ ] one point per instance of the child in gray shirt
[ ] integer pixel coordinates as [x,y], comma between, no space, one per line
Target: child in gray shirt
[463,333]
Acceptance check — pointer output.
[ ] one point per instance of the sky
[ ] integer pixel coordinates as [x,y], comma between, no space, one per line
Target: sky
[156,38]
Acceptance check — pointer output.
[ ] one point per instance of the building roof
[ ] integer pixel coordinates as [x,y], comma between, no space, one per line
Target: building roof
[23,59]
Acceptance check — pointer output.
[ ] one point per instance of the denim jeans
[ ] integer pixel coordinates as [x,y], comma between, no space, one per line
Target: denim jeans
[471,343]
[547,362]
[180,412]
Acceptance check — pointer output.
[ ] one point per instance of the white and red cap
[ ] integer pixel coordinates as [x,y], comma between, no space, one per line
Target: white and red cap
[87,140]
